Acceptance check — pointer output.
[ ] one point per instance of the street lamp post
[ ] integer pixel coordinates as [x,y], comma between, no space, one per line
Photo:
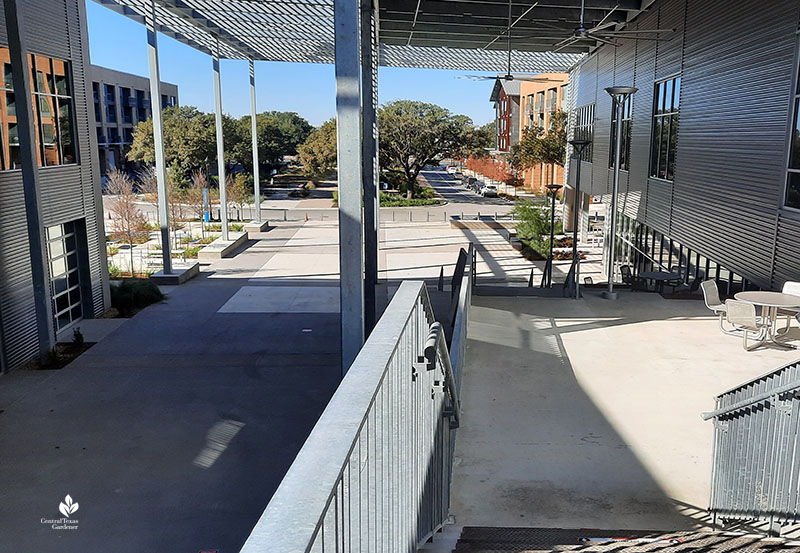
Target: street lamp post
[553,190]
[578,147]
[620,94]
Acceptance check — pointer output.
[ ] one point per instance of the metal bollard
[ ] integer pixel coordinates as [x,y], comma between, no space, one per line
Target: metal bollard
[530,280]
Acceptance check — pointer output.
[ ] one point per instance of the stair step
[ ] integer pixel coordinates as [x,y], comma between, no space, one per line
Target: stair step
[554,540]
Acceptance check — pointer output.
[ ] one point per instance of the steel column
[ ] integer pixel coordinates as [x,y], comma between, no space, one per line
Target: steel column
[371,174]
[223,198]
[254,132]
[158,138]
[37,244]
[349,153]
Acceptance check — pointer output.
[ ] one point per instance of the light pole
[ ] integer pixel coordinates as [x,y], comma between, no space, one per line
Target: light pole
[578,147]
[620,95]
[553,190]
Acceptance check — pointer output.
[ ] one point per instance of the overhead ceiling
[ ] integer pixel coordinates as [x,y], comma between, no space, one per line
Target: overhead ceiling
[445,34]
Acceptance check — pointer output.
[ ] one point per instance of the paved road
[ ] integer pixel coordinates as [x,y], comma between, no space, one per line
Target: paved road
[456,195]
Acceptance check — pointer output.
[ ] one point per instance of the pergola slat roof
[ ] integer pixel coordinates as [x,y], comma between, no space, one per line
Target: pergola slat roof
[443,34]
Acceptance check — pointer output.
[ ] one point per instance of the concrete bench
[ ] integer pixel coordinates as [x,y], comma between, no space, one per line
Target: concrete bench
[220,248]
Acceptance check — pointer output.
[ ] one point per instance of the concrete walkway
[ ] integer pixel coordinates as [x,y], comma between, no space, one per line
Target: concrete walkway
[586,414]
[174,430]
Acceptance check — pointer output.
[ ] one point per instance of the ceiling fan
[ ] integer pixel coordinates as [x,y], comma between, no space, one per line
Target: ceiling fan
[509,76]
[603,32]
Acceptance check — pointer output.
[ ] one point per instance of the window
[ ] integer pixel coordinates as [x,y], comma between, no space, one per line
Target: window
[584,128]
[125,101]
[792,198]
[52,104]
[666,101]
[141,108]
[551,100]
[111,103]
[98,110]
[62,249]
[53,116]
[564,93]
[624,158]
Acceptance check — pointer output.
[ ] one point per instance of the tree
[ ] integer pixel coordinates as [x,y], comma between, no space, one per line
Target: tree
[414,134]
[533,225]
[542,146]
[487,136]
[128,221]
[318,152]
[194,195]
[189,139]
[279,134]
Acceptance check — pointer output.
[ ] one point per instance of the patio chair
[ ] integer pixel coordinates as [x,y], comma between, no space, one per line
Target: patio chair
[635,283]
[587,281]
[742,316]
[793,288]
[712,301]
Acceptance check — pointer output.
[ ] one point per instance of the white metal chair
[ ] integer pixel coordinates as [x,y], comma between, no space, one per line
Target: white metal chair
[742,316]
[714,303]
[793,288]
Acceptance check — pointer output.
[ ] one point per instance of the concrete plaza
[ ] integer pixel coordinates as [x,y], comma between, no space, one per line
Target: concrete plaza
[586,414]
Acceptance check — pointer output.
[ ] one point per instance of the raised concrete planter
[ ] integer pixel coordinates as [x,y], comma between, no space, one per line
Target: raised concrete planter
[220,248]
[482,223]
[255,226]
[179,275]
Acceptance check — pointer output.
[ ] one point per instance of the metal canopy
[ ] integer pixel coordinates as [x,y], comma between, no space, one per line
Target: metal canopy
[443,34]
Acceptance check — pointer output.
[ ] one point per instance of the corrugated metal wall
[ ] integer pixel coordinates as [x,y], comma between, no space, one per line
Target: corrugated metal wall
[737,63]
[68,193]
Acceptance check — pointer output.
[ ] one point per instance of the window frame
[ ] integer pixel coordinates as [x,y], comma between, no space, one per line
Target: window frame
[59,100]
[656,117]
[794,114]
[584,129]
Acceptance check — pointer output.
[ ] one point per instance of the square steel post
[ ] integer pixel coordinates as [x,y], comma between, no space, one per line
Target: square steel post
[254,132]
[223,198]
[37,244]
[158,138]
[371,171]
[349,153]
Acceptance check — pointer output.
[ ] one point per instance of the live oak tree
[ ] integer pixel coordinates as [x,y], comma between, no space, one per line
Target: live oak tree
[415,134]
[318,152]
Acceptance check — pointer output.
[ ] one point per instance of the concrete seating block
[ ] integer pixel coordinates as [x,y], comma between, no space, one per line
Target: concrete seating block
[179,275]
[220,248]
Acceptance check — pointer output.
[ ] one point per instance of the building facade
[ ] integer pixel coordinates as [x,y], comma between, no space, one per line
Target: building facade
[53,270]
[505,96]
[710,181]
[539,99]
[121,101]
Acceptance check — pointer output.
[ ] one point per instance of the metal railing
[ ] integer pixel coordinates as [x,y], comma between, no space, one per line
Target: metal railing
[374,475]
[755,468]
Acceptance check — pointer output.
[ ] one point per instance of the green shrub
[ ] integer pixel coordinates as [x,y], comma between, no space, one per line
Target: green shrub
[134,294]
[114,272]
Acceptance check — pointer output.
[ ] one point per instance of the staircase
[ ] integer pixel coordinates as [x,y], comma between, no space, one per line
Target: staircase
[549,540]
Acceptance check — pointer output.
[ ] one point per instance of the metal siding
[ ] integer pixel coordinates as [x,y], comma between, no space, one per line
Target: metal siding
[47,21]
[671,15]
[16,281]
[601,176]
[735,97]
[642,118]
[787,262]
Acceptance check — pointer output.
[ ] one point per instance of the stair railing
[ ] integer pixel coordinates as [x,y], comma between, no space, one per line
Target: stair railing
[375,472]
[756,452]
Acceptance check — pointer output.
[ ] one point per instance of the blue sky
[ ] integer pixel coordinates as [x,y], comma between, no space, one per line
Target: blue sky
[120,43]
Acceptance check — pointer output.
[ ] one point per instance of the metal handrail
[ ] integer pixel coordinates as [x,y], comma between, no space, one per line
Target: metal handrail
[377,465]
[437,344]
[780,390]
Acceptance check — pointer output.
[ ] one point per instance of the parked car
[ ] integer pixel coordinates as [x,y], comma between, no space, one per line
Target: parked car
[489,190]
[471,182]
[452,169]
[458,175]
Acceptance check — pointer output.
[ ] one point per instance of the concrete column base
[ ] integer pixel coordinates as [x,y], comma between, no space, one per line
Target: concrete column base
[220,248]
[255,226]
[179,275]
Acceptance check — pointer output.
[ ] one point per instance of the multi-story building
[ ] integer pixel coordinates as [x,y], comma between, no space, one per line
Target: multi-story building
[53,270]
[539,99]
[505,96]
[121,101]
[708,181]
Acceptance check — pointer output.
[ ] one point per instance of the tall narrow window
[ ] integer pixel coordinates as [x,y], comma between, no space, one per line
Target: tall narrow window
[624,158]
[793,171]
[62,249]
[584,128]
[666,104]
